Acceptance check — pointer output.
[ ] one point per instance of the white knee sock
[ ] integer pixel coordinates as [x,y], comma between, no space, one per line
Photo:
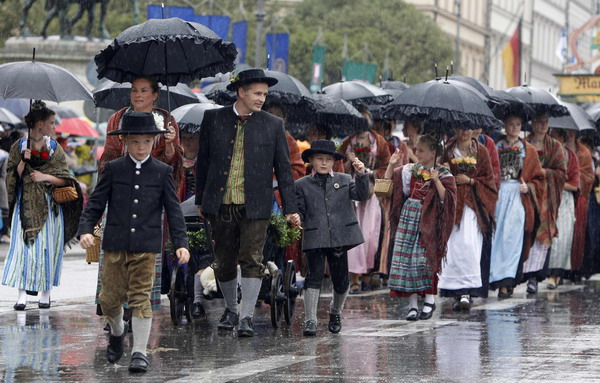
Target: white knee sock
[413,301]
[117,326]
[250,291]
[45,296]
[141,334]
[22,299]
[429,298]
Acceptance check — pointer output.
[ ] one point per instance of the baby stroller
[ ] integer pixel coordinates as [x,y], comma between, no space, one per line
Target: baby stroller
[279,290]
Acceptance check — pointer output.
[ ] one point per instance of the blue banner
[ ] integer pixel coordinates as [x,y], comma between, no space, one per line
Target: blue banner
[278,46]
[239,35]
[184,13]
[218,24]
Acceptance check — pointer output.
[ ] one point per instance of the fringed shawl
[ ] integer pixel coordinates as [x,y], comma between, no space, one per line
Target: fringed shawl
[480,197]
[586,182]
[555,165]
[437,217]
[34,209]
[113,148]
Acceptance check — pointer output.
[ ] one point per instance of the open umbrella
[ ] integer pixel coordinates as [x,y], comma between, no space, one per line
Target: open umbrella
[339,116]
[7,117]
[189,117]
[76,127]
[40,81]
[578,119]
[478,85]
[509,104]
[113,95]
[168,50]
[542,101]
[63,111]
[218,92]
[393,85]
[18,106]
[291,94]
[441,104]
[358,93]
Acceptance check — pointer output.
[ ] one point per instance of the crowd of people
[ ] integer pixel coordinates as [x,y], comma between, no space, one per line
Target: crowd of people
[461,215]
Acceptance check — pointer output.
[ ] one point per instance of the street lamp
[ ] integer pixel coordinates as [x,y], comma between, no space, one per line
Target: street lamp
[260,17]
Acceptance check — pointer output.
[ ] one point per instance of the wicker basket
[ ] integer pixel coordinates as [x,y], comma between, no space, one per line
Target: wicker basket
[92,254]
[597,192]
[383,187]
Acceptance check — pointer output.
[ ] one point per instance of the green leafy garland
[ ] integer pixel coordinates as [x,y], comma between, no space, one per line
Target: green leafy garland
[285,234]
[196,239]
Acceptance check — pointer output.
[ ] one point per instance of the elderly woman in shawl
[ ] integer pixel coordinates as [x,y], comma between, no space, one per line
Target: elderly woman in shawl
[40,226]
[551,155]
[517,210]
[465,274]
[144,94]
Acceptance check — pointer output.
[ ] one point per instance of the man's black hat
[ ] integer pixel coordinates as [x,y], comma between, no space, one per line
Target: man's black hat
[250,76]
[321,147]
[137,123]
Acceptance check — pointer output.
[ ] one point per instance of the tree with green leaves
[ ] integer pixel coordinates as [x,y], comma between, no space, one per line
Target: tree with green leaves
[374,28]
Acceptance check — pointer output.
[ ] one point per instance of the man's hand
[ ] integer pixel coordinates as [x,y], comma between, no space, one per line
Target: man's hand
[86,241]
[183,255]
[293,219]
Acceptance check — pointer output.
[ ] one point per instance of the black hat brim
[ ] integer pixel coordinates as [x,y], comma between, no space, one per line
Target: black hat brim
[310,152]
[270,81]
[121,132]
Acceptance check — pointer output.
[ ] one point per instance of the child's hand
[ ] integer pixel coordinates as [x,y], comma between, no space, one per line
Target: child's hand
[183,255]
[435,175]
[293,219]
[523,186]
[86,241]
[395,158]
[358,165]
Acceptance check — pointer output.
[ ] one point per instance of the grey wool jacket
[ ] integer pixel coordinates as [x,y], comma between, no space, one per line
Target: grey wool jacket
[327,212]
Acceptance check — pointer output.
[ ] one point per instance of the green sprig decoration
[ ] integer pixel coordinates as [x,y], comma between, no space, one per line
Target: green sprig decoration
[285,234]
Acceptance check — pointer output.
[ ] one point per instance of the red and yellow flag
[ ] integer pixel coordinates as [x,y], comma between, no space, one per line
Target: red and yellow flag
[511,59]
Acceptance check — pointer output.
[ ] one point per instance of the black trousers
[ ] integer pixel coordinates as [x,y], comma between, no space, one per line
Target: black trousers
[338,268]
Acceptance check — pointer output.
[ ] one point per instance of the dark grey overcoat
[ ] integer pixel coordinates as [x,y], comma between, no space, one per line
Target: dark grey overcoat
[327,213]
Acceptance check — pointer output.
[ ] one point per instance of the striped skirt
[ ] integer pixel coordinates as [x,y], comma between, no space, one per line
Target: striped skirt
[410,272]
[35,266]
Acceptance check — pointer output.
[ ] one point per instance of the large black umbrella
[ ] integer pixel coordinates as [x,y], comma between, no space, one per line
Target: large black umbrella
[478,85]
[219,93]
[189,117]
[40,81]
[339,116]
[578,119]
[594,112]
[113,95]
[510,105]
[358,93]
[542,101]
[291,94]
[441,104]
[168,50]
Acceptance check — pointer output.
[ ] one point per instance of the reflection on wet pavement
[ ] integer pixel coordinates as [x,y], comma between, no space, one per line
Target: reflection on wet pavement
[551,337]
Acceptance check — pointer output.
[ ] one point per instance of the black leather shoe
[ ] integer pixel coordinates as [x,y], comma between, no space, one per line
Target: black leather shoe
[310,328]
[412,317]
[19,306]
[44,305]
[139,363]
[424,315]
[246,329]
[532,286]
[114,351]
[335,323]
[228,320]
[198,311]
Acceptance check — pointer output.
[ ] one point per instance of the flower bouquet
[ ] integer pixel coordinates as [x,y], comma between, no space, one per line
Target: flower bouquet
[464,164]
[39,158]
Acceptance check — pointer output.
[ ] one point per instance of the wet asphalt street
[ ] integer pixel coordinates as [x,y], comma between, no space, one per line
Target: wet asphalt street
[554,336]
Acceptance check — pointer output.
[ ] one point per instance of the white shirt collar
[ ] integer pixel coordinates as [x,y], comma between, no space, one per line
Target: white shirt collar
[236,112]
[138,164]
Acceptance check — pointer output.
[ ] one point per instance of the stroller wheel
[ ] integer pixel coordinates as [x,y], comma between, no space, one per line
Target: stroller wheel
[290,291]
[276,299]
[176,304]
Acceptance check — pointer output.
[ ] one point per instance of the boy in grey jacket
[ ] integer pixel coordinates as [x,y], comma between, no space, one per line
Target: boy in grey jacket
[330,227]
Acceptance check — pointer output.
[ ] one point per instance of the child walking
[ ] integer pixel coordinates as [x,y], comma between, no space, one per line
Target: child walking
[137,188]
[330,227]
[422,216]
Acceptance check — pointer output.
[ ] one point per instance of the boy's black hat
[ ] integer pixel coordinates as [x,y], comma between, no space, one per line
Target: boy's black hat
[321,147]
[137,123]
[250,76]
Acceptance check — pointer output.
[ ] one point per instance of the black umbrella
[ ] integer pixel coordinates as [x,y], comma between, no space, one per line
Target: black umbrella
[578,119]
[189,117]
[510,105]
[358,93]
[40,81]
[594,112]
[219,93]
[168,50]
[478,85]
[542,101]
[339,116]
[291,94]
[113,95]
[441,104]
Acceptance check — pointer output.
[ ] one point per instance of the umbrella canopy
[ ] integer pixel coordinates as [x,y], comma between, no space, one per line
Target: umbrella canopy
[18,106]
[441,104]
[358,93]
[594,112]
[76,127]
[542,101]
[7,117]
[578,119]
[292,94]
[478,85]
[340,116]
[189,117]
[168,50]
[510,105]
[64,112]
[219,93]
[40,81]
[393,85]
[113,95]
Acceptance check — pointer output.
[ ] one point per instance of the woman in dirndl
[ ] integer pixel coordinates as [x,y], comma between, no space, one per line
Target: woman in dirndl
[560,252]
[516,211]
[464,271]
[422,217]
